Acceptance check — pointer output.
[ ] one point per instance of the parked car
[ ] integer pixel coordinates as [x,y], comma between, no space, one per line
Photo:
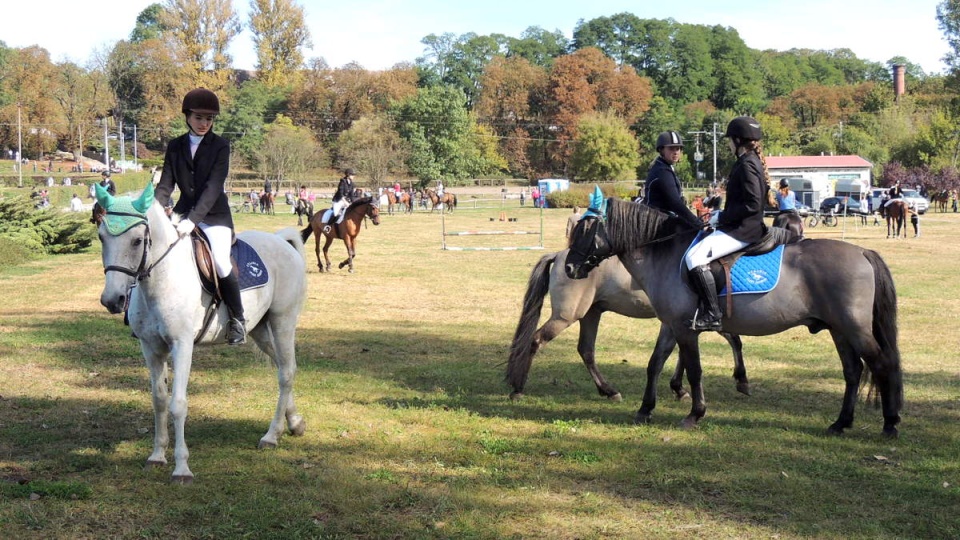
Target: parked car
[916,201]
[840,205]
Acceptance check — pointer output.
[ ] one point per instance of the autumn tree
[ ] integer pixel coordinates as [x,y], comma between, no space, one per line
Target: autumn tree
[288,151]
[588,81]
[605,149]
[30,81]
[373,147]
[279,32]
[200,32]
[81,96]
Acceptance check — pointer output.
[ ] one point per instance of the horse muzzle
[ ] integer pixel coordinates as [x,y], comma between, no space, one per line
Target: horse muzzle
[115,303]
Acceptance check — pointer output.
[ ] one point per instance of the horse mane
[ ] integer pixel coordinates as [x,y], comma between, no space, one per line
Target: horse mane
[359,202]
[632,225]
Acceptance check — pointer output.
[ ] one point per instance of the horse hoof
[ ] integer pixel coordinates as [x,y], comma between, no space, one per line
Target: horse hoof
[182,479]
[516,396]
[891,433]
[299,428]
[615,397]
[641,418]
[689,422]
[154,465]
[265,445]
[680,393]
[350,270]
[743,388]
[835,430]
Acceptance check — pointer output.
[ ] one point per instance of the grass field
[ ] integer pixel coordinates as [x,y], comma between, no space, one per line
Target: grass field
[410,431]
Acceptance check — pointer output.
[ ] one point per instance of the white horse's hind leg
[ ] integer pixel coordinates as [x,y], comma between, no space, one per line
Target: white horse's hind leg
[182,358]
[157,364]
[282,345]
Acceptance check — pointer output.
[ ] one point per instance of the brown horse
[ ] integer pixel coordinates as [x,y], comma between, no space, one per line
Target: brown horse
[347,230]
[266,202]
[448,200]
[404,200]
[895,213]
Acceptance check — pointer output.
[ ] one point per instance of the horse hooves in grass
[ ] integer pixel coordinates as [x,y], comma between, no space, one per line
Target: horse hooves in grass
[154,465]
[690,422]
[182,479]
[835,429]
[891,433]
[266,445]
[642,418]
[743,388]
[299,428]
[615,397]
[680,392]
[516,396]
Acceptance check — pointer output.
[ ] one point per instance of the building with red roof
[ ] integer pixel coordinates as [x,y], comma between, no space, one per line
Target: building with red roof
[814,178]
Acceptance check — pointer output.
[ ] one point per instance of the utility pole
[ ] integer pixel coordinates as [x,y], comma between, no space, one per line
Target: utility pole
[134,145]
[106,144]
[712,134]
[19,149]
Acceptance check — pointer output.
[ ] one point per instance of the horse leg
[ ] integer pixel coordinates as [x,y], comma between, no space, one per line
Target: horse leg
[348,243]
[326,249]
[661,351]
[317,237]
[182,352]
[690,357]
[278,342]
[587,347]
[852,371]
[739,368]
[157,364]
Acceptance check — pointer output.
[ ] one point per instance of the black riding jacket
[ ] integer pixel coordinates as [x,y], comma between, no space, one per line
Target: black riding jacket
[662,190]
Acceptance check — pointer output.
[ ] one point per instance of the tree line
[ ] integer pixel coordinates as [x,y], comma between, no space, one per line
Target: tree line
[533,106]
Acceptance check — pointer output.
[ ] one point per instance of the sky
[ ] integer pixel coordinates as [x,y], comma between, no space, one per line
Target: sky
[378,34]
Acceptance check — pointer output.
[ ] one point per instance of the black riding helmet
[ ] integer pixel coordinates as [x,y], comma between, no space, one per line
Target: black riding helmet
[784,183]
[669,138]
[201,100]
[744,127]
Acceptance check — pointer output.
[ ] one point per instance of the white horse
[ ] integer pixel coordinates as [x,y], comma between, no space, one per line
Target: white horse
[152,275]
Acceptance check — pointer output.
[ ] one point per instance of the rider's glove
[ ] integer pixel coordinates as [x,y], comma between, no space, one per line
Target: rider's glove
[185,227]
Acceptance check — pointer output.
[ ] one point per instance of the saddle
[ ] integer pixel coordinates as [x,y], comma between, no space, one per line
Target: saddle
[721,268]
[204,259]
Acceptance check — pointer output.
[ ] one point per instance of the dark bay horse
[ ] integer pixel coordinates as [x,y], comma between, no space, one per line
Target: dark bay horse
[853,298]
[347,230]
[609,288]
[895,212]
[267,198]
[303,209]
[404,200]
[448,200]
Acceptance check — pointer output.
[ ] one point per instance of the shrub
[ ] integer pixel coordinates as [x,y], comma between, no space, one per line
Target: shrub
[46,231]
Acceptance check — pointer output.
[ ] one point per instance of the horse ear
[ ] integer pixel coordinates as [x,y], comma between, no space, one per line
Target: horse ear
[105,199]
[143,203]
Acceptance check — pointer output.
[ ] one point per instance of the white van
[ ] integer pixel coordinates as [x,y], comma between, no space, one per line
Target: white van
[911,196]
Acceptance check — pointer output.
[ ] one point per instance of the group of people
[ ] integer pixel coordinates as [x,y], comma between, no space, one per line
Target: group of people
[738,225]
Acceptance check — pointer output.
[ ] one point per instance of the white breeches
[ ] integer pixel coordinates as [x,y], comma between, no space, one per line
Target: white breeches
[220,239]
[338,207]
[715,245]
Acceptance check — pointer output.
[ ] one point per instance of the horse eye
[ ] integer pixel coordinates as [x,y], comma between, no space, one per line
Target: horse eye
[137,242]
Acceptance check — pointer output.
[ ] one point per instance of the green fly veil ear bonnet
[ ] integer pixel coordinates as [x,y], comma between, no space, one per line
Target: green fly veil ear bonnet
[125,212]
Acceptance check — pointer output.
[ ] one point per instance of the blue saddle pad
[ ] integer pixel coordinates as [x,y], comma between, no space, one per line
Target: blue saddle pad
[756,274]
[251,271]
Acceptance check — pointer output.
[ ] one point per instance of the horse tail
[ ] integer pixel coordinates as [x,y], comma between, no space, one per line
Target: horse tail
[885,326]
[521,350]
[305,233]
[295,238]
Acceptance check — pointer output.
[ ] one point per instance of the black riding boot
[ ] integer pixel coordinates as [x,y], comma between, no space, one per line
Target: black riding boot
[708,313]
[230,291]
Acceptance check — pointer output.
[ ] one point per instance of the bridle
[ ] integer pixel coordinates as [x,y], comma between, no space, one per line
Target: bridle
[143,270]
